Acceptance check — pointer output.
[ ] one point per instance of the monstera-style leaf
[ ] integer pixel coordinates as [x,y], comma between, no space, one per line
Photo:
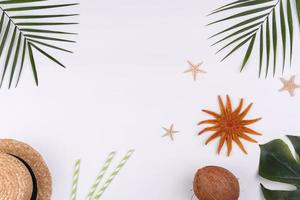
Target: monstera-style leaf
[265,22]
[25,27]
[277,163]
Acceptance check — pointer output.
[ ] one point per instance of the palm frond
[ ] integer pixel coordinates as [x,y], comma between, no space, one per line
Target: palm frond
[266,22]
[25,37]
[298,10]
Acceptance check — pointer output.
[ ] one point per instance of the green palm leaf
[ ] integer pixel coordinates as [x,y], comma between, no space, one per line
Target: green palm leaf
[44,31]
[268,45]
[258,20]
[230,4]
[19,1]
[19,39]
[37,7]
[283,32]
[15,60]
[33,66]
[298,10]
[291,28]
[261,49]
[22,63]
[40,16]
[248,53]
[244,4]
[241,24]
[12,42]
[274,39]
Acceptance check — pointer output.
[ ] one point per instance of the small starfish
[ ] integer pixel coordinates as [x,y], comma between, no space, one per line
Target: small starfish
[194,69]
[170,132]
[289,85]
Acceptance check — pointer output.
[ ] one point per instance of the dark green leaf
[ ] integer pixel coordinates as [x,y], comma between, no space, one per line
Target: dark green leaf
[17,51]
[49,45]
[268,45]
[33,66]
[296,143]
[248,52]
[237,39]
[47,55]
[261,49]
[230,4]
[40,16]
[277,163]
[1,22]
[45,31]
[245,13]
[12,42]
[245,4]
[19,1]
[47,38]
[261,11]
[298,9]
[38,7]
[22,62]
[274,38]
[44,23]
[3,41]
[238,32]
[32,36]
[291,28]
[240,24]
[237,47]
[283,32]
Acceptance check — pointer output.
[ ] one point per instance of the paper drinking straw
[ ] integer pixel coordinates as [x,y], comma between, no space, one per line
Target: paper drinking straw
[100,175]
[113,175]
[75,180]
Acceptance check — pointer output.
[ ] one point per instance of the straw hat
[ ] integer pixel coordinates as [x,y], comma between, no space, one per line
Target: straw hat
[24,174]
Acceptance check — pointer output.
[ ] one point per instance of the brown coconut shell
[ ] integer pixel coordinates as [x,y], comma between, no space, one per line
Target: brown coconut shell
[41,186]
[216,183]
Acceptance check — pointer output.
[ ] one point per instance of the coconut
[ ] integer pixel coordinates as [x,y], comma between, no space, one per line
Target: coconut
[216,183]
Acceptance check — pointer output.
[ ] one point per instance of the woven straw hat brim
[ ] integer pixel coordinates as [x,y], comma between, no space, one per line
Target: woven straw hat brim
[34,161]
[15,179]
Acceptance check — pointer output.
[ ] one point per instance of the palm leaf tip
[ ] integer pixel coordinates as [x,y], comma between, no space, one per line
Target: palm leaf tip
[29,8]
[41,16]
[28,37]
[47,55]
[248,53]
[11,45]
[19,1]
[15,60]
[260,17]
[268,46]
[22,62]
[291,27]
[298,10]
[33,66]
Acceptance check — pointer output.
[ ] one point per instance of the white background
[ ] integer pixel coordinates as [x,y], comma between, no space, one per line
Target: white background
[124,82]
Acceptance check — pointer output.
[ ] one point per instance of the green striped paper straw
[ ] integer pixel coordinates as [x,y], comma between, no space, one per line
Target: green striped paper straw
[75,180]
[100,175]
[113,175]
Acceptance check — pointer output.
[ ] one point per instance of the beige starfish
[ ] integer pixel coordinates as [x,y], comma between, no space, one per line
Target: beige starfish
[194,69]
[170,132]
[289,85]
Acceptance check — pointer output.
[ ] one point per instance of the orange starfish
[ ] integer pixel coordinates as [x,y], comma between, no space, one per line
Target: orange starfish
[230,125]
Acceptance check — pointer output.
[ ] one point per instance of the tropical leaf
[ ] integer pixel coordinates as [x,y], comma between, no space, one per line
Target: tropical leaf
[278,164]
[21,35]
[266,22]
